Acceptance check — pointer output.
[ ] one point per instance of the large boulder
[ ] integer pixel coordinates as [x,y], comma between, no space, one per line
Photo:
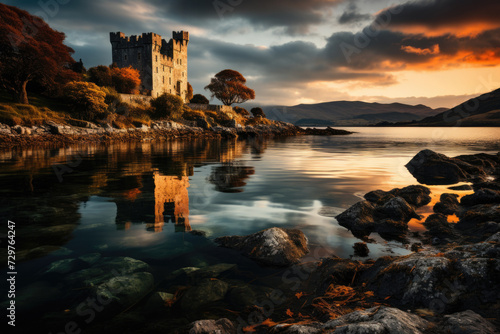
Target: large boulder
[467,322]
[222,326]
[432,168]
[460,279]
[389,219]
[396,209]
[415,195]
[359,217]
[378,320]
[274,246]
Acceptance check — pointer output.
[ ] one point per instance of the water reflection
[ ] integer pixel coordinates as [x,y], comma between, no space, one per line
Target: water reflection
[148,182]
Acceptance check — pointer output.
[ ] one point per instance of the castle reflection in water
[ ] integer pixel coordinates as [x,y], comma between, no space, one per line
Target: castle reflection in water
[157,189]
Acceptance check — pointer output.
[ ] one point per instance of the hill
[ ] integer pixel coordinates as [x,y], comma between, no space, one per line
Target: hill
[349,113]
[483,110]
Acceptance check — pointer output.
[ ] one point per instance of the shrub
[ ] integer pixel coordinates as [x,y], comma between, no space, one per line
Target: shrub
[100,75]
[86,100]
[113,99]
[199,99]
[258,112]
[241,111]
[167,106]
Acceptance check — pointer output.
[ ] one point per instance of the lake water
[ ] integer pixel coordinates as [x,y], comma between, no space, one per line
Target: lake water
[141,200]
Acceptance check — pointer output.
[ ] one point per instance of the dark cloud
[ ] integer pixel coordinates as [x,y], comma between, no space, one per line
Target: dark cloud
[352,15]
[295,16]
[444,13]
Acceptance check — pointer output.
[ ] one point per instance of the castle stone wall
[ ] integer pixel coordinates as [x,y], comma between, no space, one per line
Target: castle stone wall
[136,100]
[210,107]
[162,65]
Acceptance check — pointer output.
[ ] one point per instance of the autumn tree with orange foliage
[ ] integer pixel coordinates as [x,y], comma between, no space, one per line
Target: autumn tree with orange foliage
[31,51]
[229,87]
[125,80]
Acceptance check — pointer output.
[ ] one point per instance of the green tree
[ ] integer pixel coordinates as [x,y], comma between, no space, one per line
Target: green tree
[229,87]
[86,99]
[168,106]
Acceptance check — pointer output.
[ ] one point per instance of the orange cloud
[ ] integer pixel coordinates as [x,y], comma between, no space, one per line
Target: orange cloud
[418,51]
[463,30]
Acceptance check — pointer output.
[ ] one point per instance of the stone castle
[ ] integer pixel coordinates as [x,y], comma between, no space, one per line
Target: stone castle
[162,64]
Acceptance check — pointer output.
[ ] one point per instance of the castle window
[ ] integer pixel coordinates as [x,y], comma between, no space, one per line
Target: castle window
[139,56]
[156,58]
[157,69]
[163,79]
[180,61]
[170,80]
[171,70]
[182,74]
[125,57]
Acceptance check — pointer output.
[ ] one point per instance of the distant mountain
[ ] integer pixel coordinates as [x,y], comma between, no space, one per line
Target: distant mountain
[483,110]
[349,113]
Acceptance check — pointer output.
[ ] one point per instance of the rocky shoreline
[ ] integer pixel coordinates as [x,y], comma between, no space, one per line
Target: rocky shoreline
[451,286]
[50,133]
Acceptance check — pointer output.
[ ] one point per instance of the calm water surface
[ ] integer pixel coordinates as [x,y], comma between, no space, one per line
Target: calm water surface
[141,200]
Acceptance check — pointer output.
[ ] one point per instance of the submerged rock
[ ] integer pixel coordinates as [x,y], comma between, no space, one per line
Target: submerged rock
[274,246]
[121,292]
[206,292]
[66,266]
[105,269]
[361,249]
[211,272]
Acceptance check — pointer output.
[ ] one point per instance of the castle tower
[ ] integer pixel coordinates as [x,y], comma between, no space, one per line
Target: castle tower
[162,64]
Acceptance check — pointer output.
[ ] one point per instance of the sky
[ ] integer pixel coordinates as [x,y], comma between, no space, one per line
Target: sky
[433,52]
